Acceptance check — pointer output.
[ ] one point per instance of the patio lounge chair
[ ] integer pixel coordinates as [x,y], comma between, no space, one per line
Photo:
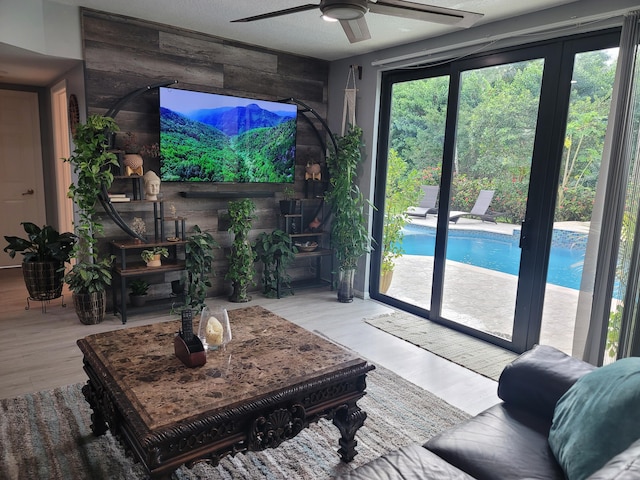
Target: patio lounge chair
[428,203]
[480,208]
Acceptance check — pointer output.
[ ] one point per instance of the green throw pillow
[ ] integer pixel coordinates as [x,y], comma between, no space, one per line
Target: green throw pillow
[597,418]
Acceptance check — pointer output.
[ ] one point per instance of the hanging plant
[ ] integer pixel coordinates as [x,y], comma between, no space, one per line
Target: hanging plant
[350,238]
[349,235]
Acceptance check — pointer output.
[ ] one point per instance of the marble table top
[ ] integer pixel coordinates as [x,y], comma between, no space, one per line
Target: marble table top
[266,354]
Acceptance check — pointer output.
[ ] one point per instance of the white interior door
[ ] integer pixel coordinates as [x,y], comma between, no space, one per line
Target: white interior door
[21,179]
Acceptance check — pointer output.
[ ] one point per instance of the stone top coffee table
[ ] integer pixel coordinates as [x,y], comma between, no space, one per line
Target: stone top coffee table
[270,382]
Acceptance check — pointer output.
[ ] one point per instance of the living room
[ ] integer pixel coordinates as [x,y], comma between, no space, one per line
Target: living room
[116,62]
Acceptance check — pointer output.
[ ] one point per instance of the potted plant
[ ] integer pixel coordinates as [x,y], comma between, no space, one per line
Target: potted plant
[89,281]
[402,191]
[153,257]
[349,235]
[241,270]
[138,292]
[199,266]
[288,204]
[45,251]
[139,227]
[92,163]
[276,251]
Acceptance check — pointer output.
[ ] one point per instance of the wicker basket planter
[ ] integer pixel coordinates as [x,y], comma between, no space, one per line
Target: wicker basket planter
[90,307]
[44,280]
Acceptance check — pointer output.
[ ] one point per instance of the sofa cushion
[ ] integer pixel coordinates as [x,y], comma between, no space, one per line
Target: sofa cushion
[624,466]
[597,418]
[412,462]
[503,442]
[539,377]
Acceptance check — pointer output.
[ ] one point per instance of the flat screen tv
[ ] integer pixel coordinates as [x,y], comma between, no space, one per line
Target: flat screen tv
[206,137]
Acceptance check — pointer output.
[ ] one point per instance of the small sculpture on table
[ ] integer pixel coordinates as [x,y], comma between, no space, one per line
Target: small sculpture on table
[151,185]
[188,347]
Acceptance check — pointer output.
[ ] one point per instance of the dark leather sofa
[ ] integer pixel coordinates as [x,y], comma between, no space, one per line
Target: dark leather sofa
[507,441]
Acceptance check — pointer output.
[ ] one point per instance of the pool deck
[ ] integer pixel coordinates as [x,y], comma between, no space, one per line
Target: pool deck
[466,223]
[482,298]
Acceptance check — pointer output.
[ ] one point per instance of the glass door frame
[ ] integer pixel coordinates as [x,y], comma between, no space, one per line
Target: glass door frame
[537,228]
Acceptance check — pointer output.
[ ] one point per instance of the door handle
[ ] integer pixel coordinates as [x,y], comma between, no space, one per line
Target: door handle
[523,235]
[28,192]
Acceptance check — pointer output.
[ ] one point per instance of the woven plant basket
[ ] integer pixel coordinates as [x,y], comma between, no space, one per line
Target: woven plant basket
[44,280]
[90,307]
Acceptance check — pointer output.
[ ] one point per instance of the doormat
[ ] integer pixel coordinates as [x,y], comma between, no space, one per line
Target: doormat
[481,357]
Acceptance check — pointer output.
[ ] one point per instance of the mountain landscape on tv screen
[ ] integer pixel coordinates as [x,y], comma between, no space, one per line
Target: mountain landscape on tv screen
[228,144]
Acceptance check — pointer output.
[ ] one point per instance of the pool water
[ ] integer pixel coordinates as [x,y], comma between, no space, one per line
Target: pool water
[475,248]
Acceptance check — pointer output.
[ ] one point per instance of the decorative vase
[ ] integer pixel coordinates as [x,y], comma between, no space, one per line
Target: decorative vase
[90,307]
[345,285]
[132,164]
[385,281]
[312,171]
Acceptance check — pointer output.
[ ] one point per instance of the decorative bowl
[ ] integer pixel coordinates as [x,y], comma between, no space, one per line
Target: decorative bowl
[307,246]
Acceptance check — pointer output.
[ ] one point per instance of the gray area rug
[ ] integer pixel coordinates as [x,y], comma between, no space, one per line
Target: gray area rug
[481,357]
[46,435]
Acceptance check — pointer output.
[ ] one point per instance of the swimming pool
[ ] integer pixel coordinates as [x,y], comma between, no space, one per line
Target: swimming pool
[496,252]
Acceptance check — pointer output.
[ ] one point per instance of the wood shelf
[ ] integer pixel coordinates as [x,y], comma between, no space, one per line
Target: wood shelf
[309,234]
[318,252]
[141,269]
[131,245]
[247,194]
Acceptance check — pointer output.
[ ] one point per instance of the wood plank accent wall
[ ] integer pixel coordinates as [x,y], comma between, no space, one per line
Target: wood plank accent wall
[123,54]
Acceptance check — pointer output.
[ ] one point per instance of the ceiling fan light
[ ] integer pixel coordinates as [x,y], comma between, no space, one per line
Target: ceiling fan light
[328,19]
[344,12]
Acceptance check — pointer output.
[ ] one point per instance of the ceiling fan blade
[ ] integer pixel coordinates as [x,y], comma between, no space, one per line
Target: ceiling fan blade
[278,13]
[356,30]
[427,13]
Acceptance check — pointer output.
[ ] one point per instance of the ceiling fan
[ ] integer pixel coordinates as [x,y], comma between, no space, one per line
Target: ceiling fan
[350,14]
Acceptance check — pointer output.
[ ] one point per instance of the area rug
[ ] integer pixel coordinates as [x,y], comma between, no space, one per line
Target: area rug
[481,357]
[46,435]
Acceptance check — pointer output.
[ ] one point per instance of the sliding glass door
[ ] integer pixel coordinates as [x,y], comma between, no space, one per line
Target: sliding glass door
[490,135]
[496,127]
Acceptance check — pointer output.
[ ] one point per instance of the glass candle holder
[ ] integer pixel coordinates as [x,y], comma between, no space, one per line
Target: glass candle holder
[214,329]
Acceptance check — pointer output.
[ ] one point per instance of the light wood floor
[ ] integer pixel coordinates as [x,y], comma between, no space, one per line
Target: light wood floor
[38,350]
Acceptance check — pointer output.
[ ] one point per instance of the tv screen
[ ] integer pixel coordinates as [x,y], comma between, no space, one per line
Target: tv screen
[206,137]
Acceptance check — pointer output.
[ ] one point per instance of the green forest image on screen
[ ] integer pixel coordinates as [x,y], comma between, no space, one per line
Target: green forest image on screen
[217,138]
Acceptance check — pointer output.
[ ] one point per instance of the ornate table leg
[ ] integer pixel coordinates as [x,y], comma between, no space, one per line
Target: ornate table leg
[98,425]
[348,418]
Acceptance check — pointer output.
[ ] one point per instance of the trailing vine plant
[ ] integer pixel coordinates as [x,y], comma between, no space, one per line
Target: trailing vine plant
[199,265]
[91,162]
[241,269]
